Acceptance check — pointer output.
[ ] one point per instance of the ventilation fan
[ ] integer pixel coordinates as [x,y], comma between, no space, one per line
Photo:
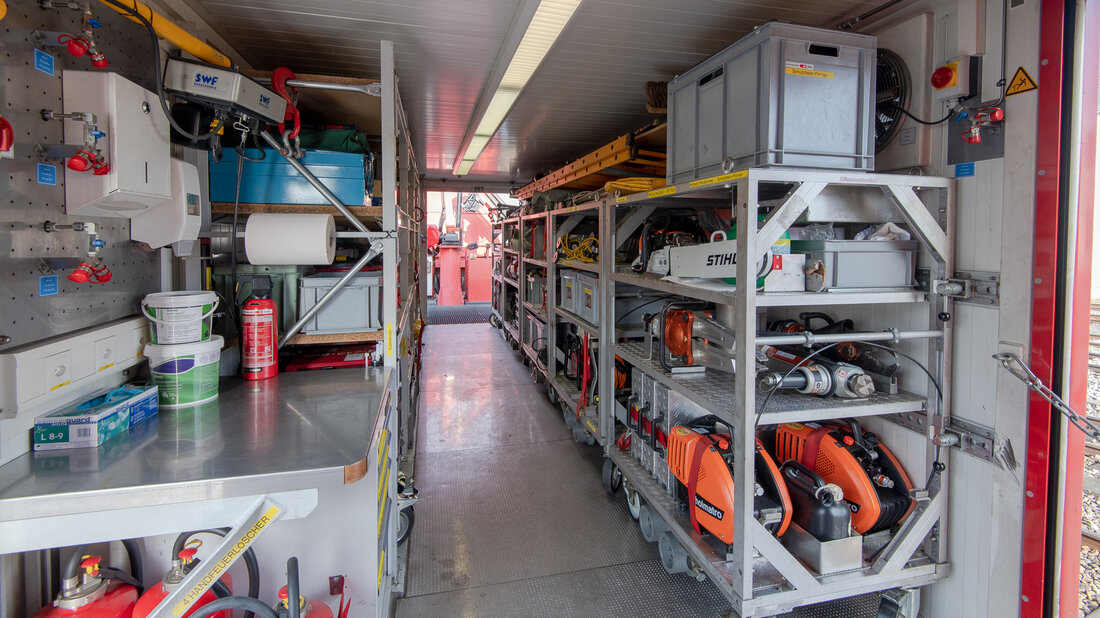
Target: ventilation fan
[892,90]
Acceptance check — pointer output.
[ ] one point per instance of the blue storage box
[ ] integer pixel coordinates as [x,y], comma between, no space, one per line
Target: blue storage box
[273,181]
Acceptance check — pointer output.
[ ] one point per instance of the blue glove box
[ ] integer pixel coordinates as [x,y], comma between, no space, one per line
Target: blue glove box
[274,181]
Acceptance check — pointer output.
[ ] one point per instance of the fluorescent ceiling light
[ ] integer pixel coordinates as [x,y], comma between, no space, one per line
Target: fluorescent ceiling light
[464,167]
[546,25]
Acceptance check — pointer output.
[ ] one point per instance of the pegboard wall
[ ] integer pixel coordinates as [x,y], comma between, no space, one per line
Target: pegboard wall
[31,65]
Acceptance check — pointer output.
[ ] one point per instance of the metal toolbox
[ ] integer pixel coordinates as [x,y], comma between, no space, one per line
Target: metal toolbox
[588,298]
[355,308]
[567,296]
[784,95]
[858,264]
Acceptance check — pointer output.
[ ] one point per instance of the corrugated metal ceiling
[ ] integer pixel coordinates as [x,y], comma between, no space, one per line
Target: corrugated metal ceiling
[589,90]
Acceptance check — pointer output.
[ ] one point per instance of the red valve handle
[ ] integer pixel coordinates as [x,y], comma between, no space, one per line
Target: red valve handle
[91,564]
[187,555]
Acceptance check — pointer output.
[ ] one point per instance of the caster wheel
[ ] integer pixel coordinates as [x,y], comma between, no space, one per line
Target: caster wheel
[633,500]
[673,555]
[405,521]
[611,477]
[552,393]
[579,434]
[651,525]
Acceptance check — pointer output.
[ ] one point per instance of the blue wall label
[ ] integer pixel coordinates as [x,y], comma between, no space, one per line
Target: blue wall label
[962,170]
[47,174]
[43,62]
[47,286]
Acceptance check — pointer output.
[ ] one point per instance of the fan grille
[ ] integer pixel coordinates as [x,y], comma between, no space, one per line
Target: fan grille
[892,89]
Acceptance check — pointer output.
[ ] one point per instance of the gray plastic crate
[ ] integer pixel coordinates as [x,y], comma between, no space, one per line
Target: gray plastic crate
[784,95]
[356,308]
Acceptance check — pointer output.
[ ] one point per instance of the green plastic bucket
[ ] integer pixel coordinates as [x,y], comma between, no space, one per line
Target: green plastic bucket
[185,373]
[179,317]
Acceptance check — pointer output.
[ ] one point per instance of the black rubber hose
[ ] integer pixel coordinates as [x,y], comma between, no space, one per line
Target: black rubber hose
[249,558]
[122,576]
[292,595]
[137,563]
[253,606]
[72,566]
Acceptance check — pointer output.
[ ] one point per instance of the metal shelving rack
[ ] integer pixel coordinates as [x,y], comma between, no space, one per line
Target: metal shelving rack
[757,573]
[560,222]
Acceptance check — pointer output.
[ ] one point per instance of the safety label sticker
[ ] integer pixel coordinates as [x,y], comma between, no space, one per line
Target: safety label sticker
[964,170]
[809,72]
[46,175]
[715,179]
[660,192]
[1021,82]
[47,285]
[43,62]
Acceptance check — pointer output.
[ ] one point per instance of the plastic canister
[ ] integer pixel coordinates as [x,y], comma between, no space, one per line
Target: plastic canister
[186,373]
[179,317]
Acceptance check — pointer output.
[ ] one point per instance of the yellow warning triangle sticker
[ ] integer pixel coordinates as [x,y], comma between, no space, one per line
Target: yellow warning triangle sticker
[1021,82]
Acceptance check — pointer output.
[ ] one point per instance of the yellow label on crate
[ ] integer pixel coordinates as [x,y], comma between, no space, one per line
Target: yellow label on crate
[809,73]
[620,200]
[716,179]
[227,559]
[662,192]
[381,561]
[389,338]
[382,507]
[107,366]
[65,383]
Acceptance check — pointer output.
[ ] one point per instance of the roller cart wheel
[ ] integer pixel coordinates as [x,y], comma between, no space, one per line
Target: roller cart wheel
[611,477]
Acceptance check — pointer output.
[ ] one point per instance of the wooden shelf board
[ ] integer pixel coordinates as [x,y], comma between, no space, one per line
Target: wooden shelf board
[364,337]
[363,212]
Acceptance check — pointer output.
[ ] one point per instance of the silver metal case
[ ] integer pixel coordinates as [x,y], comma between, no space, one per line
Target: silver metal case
[219,86]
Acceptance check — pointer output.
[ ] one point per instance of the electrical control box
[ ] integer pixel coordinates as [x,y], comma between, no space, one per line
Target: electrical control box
[957,78]
[135,144]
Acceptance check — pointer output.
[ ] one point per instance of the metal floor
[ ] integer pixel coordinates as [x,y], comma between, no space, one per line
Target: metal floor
[470,313]
[512,519]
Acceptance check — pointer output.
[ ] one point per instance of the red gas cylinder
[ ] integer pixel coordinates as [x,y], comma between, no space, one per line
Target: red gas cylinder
[90,596]
[260,339]
[180,567]
[309,609]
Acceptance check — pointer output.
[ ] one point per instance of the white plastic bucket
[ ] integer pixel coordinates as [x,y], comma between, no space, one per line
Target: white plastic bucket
[179,317]
[186,373]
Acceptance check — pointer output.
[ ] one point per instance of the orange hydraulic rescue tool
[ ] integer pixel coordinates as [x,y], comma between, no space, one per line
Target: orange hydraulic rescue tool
[701,458]
[874,483]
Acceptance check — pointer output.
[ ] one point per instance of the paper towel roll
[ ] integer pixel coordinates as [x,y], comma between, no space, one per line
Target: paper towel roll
[281,239]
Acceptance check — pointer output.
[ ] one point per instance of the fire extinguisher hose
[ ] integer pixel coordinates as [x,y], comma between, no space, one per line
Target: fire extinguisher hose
[249,604]
[292,588]
[133,555]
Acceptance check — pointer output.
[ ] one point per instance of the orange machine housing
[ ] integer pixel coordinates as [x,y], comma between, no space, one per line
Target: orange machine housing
[831,452]
[696,460]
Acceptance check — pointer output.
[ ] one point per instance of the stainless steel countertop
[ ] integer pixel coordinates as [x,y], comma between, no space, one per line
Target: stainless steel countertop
[297,431]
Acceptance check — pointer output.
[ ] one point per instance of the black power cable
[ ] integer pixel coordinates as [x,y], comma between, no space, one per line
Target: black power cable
[158,78]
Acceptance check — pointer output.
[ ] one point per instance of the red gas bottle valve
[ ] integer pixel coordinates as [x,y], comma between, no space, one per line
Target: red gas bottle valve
[102,274]
[90,564]
[973,135]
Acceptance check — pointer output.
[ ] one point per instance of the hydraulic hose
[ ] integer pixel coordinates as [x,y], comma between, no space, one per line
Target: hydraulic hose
[249,558]
[292,596]
[252,606]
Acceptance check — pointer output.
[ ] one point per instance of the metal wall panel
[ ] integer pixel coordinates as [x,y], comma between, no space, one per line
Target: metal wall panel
[26,251]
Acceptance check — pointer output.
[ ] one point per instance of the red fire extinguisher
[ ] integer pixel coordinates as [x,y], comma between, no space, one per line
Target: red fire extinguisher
[181,566]
[90,594]
[260,333]
[306,608]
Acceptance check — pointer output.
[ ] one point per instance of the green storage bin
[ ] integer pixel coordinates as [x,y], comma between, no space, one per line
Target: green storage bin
[284,286]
